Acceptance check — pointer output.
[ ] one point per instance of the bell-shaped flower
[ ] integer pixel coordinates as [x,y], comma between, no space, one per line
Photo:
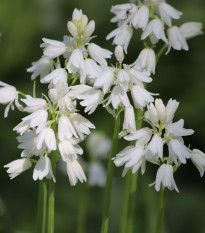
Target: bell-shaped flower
[99,54]
[147,60]
[53,48]
[18,166]
[90,100]
[191,29]
[140,18]
[96,175]
[92,69]
[123,79]
[43,169]
[41,68]
[89,29]
[198,159]
[118,96]
[141,97]
[77,14]
[81,124]
[165,178]
[46,137]
[176,39]
[65,129]
[122,36]
[154,27]
[57,76]
[34,104]
[138,76]
[129,119]
[168,12]
[119,54]
[178,151]
[8,95]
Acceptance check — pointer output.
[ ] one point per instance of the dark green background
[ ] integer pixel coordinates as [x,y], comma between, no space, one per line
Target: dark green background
[179,75]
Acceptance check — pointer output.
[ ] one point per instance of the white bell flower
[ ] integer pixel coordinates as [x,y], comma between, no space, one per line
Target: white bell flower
[81,124]
[176,39]
[147,60]
[46,137]
[122,36]
[89,29]
[43,169]
[129,119]
[77,14]
[99,54]
[65,129]
[118,95]
[123,79]
[18,166]
[154,27]
[34,104]
[165,178]
[9,95]
[138,76]
[168,12]
[57,76]
[75,172]
[191,29]
[93,69]
[198,159]
[140,18]
[119,53]
[96,175]
[72,29]
[41,68]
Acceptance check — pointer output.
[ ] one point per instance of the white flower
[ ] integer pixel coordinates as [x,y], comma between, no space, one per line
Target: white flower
[41,67]
[28,142]
[171,108]
[96,175]
[138,76]
[123,79]
[147,60]
[141,97]
[198,159]
[89,29]
[46,137]
[58,76]
[191,29]
[77,14]
[78,90]
[75,172]
[92,69]
[65,129]
[43,169]
[140,18]
[177,150]
[167,13]
[161,110]
[165,178]
[129,119]
[81,124]
[154,28]
[176,39]
[91,99]
[122,36]
[119,53]
[68,150]
[8,95]
[36,119]
[34,104]
[18,166]
[99,54]
[72,29]
[118,96]
[53,48]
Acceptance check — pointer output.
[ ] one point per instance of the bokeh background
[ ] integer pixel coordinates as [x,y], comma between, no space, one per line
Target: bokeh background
[179,75]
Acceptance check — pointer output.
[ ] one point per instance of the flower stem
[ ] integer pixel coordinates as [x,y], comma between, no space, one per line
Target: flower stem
[106,207]
[83,199]
[42,206]
[51,197]
[160,217]
[161,52]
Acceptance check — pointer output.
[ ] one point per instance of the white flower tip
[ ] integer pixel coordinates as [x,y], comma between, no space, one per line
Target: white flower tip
[119,53]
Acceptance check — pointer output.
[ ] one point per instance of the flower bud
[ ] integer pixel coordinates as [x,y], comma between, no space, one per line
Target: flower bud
[191,29]
[89,29]
[161,110]
[53,95]
[129,119]
[119,53]
[82,24]
[72,29]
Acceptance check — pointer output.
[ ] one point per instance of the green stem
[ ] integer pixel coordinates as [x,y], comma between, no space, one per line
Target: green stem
[42,206]
[51,197]
[159,225]
[113,151]
[161,52]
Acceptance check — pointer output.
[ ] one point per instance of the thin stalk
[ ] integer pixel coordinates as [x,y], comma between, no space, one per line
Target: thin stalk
[113,151]
[51,197]
[42,206]
[159,225]
[81,226]
[161,52]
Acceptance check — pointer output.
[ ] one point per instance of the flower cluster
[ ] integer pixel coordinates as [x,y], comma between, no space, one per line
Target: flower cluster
[151,143]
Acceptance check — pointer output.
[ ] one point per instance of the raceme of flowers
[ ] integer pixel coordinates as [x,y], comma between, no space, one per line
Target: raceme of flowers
[76,70]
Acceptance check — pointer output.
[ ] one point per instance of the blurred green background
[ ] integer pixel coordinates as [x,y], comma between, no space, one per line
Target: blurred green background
[179,75]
